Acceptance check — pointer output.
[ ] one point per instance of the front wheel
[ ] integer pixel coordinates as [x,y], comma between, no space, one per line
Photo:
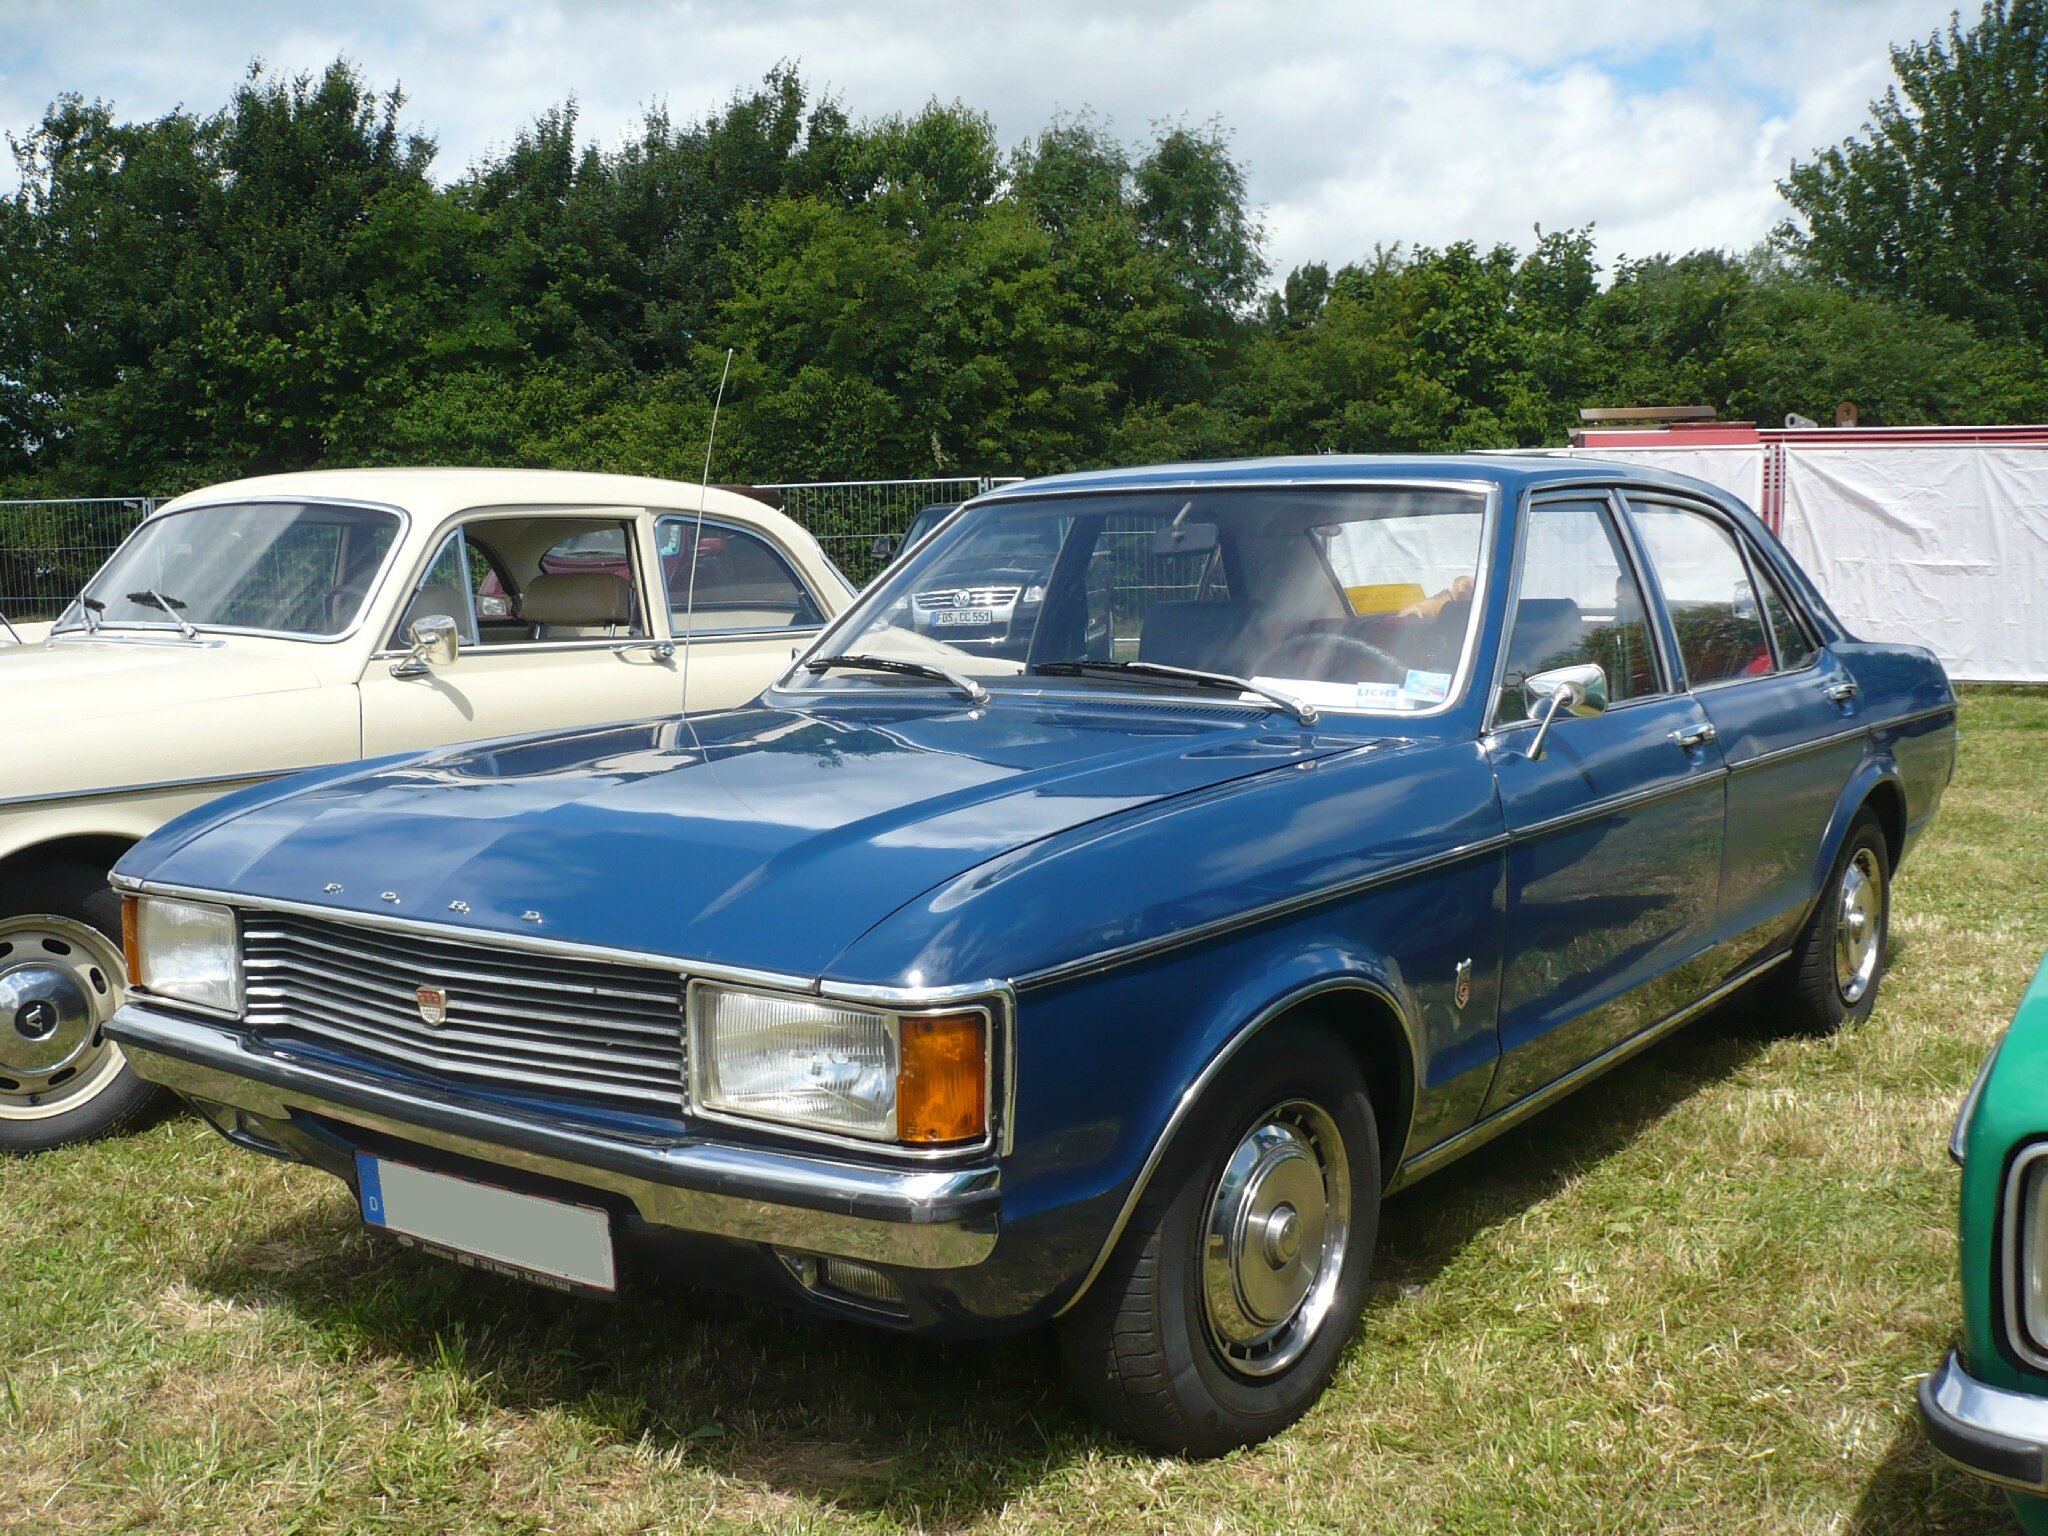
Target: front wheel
[1222,1314]
[61,974]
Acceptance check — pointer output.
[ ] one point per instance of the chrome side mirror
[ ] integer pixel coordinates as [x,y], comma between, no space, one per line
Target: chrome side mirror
[435,643]
[1581,690]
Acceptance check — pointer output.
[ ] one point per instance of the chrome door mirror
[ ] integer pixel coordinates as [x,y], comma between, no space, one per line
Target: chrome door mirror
[1580,690]
[435,643]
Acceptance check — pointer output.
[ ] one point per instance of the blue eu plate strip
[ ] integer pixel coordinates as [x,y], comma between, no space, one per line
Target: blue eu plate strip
[371,1185]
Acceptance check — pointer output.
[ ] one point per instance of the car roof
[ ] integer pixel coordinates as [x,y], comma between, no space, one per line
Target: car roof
[1513,471]
[434,493]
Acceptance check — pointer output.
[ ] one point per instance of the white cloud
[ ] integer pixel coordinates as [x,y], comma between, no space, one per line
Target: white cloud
[1665,125]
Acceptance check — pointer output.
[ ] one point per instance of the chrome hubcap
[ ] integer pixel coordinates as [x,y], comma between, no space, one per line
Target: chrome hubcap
[60,981]
[1278,1221]
[1859,926]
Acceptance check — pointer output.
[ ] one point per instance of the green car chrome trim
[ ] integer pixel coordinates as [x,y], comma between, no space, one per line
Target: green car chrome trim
[2004,1116]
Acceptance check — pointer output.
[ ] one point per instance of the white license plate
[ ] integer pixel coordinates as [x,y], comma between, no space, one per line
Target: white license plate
[550,1241]
[944,616]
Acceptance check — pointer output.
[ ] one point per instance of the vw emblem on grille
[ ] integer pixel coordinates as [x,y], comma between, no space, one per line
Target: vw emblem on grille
[433,1003]
[960,599]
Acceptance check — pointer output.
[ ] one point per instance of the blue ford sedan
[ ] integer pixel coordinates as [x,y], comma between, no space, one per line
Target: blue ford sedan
[1099,956]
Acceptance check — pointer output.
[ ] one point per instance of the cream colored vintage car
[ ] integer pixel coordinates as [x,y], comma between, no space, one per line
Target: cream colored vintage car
[265,626]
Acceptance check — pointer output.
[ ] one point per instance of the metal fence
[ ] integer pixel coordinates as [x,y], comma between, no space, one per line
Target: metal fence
[847,516]
[50,549]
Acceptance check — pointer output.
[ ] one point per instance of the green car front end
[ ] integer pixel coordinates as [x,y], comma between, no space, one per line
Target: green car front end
[1987,1406]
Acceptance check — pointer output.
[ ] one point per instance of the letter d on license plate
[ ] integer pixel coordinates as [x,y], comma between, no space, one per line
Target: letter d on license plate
[550,1241]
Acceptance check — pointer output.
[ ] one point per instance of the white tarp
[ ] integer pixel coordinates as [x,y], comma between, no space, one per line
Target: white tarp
[1941,546]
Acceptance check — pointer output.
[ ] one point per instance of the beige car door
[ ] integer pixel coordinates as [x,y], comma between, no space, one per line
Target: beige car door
[742,606]
[556,630]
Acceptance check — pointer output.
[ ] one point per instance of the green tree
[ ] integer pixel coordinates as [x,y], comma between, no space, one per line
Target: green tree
[1942,199]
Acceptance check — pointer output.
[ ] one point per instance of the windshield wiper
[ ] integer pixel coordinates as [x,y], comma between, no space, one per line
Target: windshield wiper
[1303,711]
[92,608]
[966,686]
[7,625]
[169,605]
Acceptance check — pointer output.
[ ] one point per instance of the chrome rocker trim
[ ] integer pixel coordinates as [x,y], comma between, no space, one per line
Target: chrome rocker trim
[913,1217]
[1999,1435]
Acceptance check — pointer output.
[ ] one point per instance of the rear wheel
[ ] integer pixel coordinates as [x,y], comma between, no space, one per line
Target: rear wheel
[61,975]
[1226,1305]
[1837,963]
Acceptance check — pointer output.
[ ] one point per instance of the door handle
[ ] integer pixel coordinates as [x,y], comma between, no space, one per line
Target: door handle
[1696,736]
[1841,691]
[663,650]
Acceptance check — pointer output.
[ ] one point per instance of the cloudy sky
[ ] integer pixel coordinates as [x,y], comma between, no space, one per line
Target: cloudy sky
[1665,123]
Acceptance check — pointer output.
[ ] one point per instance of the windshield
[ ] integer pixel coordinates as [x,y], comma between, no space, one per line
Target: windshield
[295,568]
[1344,597]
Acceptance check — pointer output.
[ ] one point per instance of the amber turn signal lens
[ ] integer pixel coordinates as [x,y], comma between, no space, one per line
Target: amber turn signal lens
[131,950]
[942,1079]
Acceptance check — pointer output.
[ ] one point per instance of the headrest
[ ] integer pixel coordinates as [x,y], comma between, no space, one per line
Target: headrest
[577,599]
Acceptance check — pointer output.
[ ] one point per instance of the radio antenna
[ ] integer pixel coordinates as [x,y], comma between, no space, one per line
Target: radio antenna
[697,536]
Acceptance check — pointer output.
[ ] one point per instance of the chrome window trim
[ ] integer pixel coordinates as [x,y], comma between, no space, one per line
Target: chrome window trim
[2009,1256]
[1191,1096]
[789,563]
[996,1052]
[1489,532]
[377,582]
[1609,494]
[1126,954]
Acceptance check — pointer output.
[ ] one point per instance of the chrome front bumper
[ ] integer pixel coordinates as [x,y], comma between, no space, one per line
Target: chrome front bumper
[916,1218]
[1998,1434]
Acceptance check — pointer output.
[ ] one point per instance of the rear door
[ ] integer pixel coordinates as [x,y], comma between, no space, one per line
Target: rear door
[1785,712]
[1615,831]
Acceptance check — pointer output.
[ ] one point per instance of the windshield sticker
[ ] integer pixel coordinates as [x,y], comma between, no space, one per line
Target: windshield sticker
[1429,687]
[1384,696]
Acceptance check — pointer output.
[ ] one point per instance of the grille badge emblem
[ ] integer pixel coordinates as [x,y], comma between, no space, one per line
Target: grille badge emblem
[433,1003]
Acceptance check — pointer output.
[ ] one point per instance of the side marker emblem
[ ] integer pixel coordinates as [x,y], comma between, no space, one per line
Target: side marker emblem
[1463,994]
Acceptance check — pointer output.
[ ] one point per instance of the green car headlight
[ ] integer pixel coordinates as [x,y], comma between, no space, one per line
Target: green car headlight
[2026,1249]
[183,950]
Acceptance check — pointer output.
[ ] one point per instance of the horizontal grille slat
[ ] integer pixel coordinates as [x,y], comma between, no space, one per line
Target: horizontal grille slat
[519,1020]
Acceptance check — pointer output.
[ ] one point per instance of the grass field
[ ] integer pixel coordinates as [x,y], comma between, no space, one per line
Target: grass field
[1693,1298]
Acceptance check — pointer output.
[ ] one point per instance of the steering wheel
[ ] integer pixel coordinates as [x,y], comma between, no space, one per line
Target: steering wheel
[1320,644]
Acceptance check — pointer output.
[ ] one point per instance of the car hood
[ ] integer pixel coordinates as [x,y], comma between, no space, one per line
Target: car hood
[760,838]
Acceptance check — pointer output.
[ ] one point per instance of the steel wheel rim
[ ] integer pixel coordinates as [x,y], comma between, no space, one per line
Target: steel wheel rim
[1278,1224]
[1859,926]
[60,981]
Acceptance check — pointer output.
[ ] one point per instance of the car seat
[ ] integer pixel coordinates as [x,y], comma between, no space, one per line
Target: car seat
[1208,636]
[571,605]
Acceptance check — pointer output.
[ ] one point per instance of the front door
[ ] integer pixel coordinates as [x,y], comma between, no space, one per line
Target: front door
[1616,830]
[555,630]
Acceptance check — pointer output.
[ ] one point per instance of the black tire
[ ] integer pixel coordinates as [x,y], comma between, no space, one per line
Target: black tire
[64,898]
[1812,994]
[1141,1348]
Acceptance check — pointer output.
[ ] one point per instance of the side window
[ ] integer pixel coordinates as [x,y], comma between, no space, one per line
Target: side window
[1707,589]
[1794,642]
[742,581]
[1579,602]
[444,589]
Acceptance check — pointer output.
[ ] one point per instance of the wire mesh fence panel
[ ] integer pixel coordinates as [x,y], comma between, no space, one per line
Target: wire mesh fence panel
[849,517]
[49,550]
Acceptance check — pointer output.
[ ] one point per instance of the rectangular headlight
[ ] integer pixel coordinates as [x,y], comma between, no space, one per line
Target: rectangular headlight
[183,950]
[914,1079]
[2026,1254]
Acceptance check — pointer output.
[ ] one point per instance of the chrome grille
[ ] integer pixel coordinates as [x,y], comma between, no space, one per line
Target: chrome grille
[969,597]
[517,1020]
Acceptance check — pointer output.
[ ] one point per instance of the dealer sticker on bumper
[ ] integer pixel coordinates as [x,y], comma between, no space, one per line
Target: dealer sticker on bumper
[550,1241]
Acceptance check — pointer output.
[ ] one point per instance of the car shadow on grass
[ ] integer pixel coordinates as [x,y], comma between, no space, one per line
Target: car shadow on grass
[927,1433]
[1916,1490]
